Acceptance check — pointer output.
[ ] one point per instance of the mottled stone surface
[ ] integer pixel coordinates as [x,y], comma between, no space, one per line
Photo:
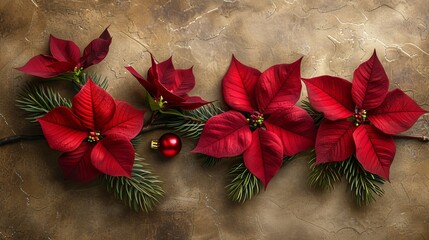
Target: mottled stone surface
[333,36]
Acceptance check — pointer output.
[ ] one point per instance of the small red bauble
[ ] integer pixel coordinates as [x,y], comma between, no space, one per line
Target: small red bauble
[168,144]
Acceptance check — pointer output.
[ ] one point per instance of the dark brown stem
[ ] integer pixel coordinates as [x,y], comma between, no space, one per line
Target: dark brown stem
[420,138]
[153,127]
[18,138]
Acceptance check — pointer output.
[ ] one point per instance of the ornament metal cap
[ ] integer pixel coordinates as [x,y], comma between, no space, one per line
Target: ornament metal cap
[154,144]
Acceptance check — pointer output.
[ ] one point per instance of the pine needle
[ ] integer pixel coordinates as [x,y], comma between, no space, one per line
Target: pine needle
[97,79]
[37,100]
[323,176]
[209,161]
[192,124]
[244,185]
[317,116]
[363,185]
[141,192]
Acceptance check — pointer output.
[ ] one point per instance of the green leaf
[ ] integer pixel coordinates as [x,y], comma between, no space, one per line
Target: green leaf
[154,106]
[141,192]
[172,112]
[37,100]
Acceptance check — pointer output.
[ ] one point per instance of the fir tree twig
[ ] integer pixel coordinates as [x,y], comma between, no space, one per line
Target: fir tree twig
[140,192]
[37,100]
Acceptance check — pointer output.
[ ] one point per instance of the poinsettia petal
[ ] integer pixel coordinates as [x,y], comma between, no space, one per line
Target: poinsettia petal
[370,84]
[264,157]
[45,67]
[396,114]
[127,121]
[167,95]
[94,106]
[76,165]
[331,96]
[147,85]
[185,81]
[96,50]
[238,86]
[190,103]
[294,127]
[166,74]
[114,156]
[374,150]
[64,50]
[179,82]
[334,141]
[225,135]
[277,86]
[152,75]
[62,129]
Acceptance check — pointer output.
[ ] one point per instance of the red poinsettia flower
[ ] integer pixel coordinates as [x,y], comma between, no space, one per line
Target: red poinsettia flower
[169,87]
[264,124]
[95,134]
[360,117]
[66,57]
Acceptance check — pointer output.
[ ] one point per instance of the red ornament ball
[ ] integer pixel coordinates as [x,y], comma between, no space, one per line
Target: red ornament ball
[168,144]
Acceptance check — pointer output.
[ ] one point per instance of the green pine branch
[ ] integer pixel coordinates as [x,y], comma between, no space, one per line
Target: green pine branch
[140,192]
[317,116]
[37,100]
[208,161]
[191,124]
[97,79]
[244,185]
[363,185]
[323,176]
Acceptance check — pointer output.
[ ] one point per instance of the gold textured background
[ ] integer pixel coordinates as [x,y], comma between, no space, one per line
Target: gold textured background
[333,36]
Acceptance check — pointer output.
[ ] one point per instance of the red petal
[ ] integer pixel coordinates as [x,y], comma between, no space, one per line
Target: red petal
[225,135]
[239,86]
[152,75]
[294,127]
[334,141]
[147,85]
[185,81]
[279,85]
[166,94]
[331,96]
[127,121]
[165,73]
[96,50]
[64,50]
[370,84]
[77,165]
[179,82]
[374,150]
[114,156]
[190,103]
[45,67]
[396,114]
[94,106]
[62,129]
[105,35]
[264,157]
